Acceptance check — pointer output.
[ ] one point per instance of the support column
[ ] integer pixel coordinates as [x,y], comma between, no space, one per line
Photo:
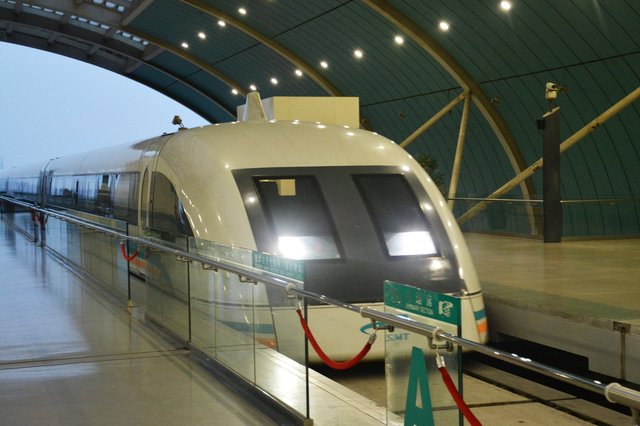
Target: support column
[551,176]
[455,173]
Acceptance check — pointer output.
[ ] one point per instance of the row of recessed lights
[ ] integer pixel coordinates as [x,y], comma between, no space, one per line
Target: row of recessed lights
[443,25]
[505,6]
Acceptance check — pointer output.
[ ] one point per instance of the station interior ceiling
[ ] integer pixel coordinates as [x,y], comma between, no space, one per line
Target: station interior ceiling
[405,60]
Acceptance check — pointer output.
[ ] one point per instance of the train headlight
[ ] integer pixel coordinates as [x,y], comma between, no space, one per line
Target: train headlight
[292,247]
[410,243]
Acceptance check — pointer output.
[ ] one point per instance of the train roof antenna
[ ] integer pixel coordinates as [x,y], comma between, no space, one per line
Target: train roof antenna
[253,110]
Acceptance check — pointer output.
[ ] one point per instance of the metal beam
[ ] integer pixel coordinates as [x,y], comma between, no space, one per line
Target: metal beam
[189,58]
[138,7]
[113,19]
[482,102]
[90,39]
[87,10]
[455,172]
[433,120]
[568,143]
[269,42]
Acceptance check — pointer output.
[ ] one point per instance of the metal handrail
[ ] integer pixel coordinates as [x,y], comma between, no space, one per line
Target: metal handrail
[520,200]
[614,392]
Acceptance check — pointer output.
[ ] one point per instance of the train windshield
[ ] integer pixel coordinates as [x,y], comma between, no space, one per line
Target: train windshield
[397,215]
[298,217]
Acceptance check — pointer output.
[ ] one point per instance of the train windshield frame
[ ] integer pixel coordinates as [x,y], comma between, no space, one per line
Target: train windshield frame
[298,217]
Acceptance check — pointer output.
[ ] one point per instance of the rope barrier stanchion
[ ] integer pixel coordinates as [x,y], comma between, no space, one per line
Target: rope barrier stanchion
[331,363]
[124,252]
[446,378]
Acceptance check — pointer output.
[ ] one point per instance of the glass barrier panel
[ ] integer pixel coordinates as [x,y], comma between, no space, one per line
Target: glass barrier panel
[53,230]
[248,326]
[506,217]
[416,392]
[120,270]
[167,280]
[223,313]
[280,348]
[583,218]
[601,218]
[20,219]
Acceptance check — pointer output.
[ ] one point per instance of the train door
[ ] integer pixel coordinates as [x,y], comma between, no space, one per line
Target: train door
[148,161]
[145,197]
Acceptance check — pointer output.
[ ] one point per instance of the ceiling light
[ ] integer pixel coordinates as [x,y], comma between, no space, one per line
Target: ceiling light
[443,25]
[202,35]
[253,87]
[358,53]
[324,64]
[274,81]
[298,73]
[398,39]
[242,11]
[506,5]
[185,45]
[234,91]
[222,23]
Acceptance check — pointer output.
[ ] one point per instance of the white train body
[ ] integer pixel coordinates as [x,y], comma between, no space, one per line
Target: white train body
[243,184]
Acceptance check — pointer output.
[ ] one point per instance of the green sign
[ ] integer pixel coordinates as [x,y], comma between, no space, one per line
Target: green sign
[278,265]
[422,302]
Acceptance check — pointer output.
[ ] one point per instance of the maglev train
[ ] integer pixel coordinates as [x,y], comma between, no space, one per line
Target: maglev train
[351,204]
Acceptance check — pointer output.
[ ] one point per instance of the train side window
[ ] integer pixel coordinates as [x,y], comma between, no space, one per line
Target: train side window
[298,217]
[395,211]
[121,196]
[167,213]
[104,195]
[65,191]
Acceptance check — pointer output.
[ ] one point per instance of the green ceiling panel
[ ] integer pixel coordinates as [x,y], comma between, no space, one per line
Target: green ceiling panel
[244,70]
[175,22]
[272,18]
[386,71]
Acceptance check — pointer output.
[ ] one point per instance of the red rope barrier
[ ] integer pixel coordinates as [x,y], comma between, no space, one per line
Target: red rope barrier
[333,364]
[124,253]
[473,420]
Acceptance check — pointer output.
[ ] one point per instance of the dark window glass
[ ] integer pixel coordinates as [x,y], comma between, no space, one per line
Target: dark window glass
[26,188]
[87,198]
[103,206]
[397,215]
[167,212]
[298,217]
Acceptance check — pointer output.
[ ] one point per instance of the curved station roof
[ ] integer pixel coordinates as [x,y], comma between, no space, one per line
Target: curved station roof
[428,75]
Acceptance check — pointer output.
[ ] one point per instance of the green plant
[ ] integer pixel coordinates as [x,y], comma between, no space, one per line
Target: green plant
[430,165]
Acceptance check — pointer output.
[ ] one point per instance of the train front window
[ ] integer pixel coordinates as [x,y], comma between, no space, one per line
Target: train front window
[396,213]
[298,217]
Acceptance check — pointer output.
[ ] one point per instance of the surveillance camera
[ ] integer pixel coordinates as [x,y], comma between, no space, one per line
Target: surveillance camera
[551,91]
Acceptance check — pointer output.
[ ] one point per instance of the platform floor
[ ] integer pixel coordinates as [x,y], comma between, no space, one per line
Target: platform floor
[70,355]
[572,295]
